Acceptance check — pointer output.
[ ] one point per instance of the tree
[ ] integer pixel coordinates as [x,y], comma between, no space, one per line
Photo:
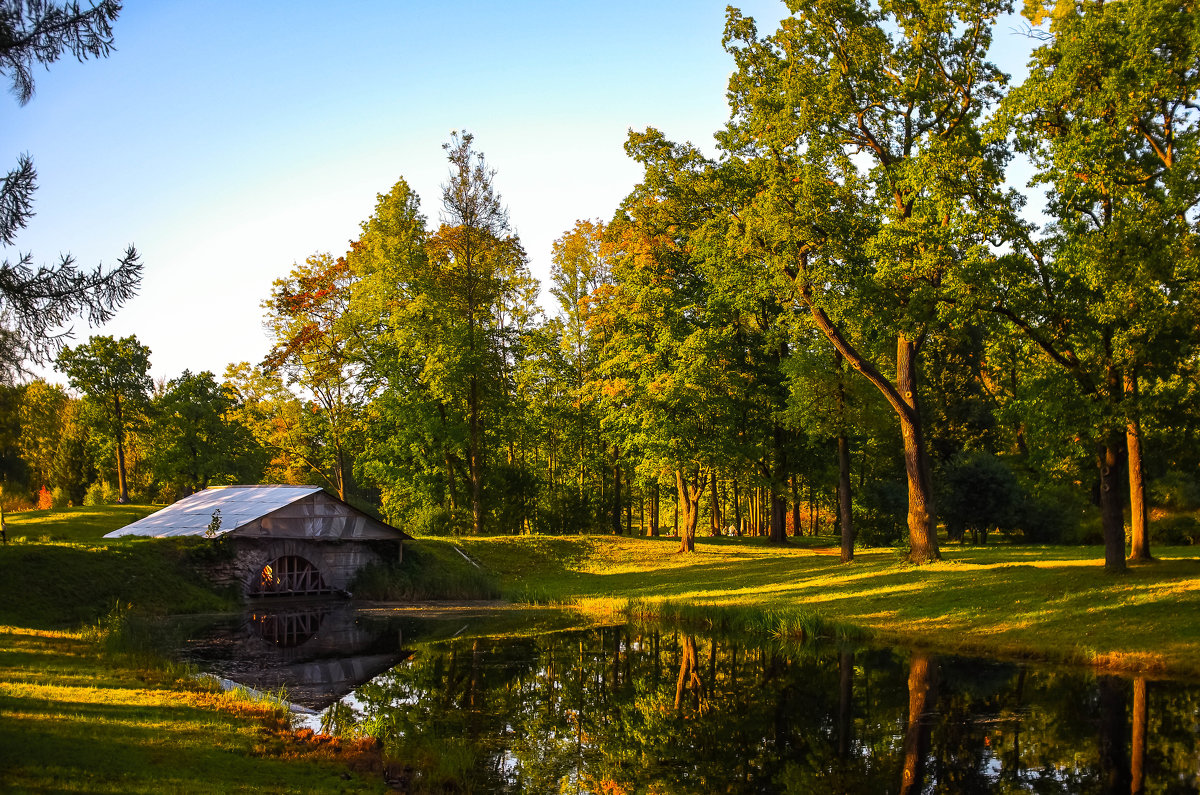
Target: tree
[857,125]
[42,416]
[313,350]
[114,376]
[1109,293]
[195,439]
[482,263]
[35,303]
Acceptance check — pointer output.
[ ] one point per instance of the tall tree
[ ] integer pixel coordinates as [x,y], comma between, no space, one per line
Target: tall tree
[36,302]
[313,350]
[858,124]
[485,267]
[114,375]
[1109,292]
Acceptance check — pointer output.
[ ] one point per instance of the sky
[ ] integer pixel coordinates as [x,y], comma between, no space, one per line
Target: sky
[229,141]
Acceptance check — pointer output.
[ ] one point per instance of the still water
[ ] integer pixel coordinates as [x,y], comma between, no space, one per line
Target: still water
[505,702]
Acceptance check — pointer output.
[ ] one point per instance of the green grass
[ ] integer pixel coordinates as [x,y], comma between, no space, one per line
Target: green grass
[87,703]
[432,569]
[75,721]
[73,524]
[1053,603]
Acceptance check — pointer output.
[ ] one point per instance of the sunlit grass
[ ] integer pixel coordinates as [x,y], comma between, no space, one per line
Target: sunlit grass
[1046,602]
[77,721]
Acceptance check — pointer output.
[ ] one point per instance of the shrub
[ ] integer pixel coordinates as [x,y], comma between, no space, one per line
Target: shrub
[60,498]
[979,492]
[882,516]
[45,500]
[1176,491]
[1049,517]
[96,494]
[1180,530]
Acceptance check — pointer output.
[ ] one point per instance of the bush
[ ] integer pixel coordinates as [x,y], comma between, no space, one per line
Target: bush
[60,498]
[1176,491]
[432,520]
[881,518]
[45,500]
[96,494]
[979,492]
[1049,517]
[1181,530]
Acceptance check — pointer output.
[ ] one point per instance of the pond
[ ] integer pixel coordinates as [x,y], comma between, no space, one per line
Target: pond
[514,701]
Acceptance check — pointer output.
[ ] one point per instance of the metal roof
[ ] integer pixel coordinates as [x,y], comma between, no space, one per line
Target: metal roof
[239,505]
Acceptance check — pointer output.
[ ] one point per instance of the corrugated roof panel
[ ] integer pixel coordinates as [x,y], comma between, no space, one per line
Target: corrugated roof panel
[192,515]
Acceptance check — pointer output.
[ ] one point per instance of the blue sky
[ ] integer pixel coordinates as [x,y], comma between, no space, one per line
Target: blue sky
[229,140]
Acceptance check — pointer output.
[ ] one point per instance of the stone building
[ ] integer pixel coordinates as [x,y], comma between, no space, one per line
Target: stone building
[284,540]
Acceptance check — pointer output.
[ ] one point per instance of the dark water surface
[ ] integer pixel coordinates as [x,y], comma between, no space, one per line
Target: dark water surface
[508,703]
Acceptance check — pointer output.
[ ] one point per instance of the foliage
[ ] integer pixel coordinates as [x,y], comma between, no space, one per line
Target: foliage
[980,493]
[114,376]
[195,440]
[35,303]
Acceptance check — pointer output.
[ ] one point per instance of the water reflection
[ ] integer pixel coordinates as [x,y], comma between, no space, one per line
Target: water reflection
[625,709]
[316,653]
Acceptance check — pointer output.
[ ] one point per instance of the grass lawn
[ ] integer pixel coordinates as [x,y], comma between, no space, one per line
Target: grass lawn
[74,721]
[1052,602]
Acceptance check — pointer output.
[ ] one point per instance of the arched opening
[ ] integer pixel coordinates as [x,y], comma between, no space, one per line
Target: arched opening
[288,629]
[289,575]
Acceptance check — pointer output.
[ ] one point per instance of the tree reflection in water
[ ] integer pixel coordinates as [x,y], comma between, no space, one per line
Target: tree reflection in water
[625,709]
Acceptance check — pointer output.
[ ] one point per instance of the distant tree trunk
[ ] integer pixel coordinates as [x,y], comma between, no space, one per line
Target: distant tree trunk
[1140,529]
[715,513]
[629,511]
[475,459]
[795,495]
[122,485]
[653,531]
[616,492]
[737,509]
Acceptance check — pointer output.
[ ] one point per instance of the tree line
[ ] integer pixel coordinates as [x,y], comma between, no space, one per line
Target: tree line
[846,314]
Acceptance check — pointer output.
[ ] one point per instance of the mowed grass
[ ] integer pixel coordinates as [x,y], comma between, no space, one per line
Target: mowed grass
[59,573]
[1053,603]
[74,721]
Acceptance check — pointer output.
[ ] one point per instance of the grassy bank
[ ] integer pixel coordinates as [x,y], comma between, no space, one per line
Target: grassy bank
[1052,603]
[83,711]
[76,720]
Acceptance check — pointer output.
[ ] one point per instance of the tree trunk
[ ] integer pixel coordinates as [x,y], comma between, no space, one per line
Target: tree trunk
[616,493]
[795,486]
[122,484]
[1114,764]
[689,494]
[715,514]
[653,531]
[922,526]
[845,503]
[1140,527]
[737,509]
[778,517]
[475,458]
[1111,516]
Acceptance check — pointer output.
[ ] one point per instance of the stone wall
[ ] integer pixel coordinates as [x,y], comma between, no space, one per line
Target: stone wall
[338,562]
